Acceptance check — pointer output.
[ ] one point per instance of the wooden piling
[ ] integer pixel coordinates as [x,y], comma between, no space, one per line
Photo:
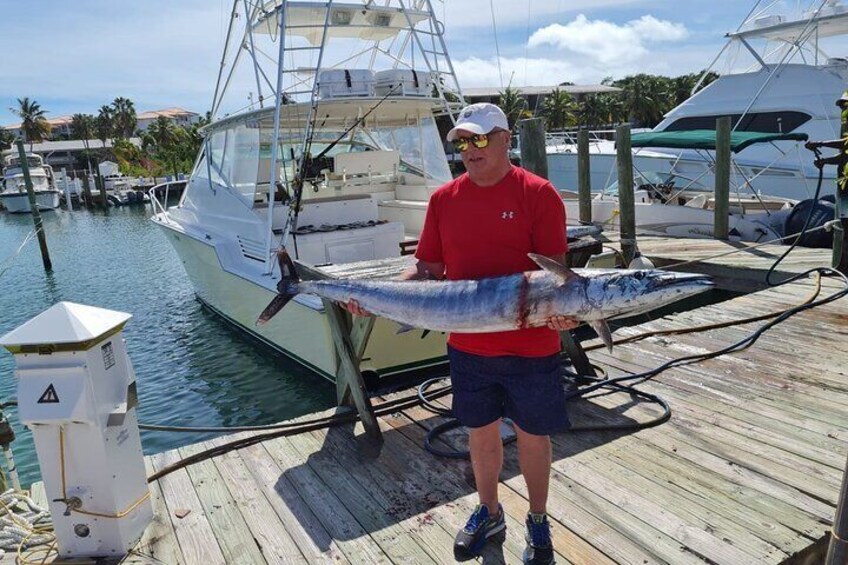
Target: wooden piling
[533,155]
[36,216]
[626,198]
[840,233]
[722,179]
[584,180]
[101,186]
[86,190]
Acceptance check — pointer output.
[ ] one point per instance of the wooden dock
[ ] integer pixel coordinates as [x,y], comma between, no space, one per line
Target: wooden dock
[746,471]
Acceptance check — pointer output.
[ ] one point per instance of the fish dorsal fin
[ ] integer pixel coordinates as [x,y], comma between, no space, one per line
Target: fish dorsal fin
[553,267]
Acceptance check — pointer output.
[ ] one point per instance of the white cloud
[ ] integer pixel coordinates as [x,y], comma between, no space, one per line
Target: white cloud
[606,42]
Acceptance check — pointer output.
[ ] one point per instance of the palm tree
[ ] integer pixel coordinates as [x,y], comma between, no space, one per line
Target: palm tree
[34,125]
[104,124]
[558,109]
[164,138]
[647,98]
[124,117]
[82,127]
[7,139]
[512,104]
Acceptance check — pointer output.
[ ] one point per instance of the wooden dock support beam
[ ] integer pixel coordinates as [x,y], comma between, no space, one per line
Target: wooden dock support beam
[534,158]
[584,178]
[33,206]
[350,339]
[722,179]
[626,198]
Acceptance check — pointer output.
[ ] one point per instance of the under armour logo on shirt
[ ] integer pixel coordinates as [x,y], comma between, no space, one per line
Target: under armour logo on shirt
[507,215]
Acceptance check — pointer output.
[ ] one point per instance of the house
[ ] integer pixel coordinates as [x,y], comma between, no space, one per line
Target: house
[179,116]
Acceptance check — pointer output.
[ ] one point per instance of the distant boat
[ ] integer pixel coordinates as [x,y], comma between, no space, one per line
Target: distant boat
[784,84]
[13,195]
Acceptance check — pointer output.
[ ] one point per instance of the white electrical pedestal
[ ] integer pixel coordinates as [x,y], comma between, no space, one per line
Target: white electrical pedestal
[77,393]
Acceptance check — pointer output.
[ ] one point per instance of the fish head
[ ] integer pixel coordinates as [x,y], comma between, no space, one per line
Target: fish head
[617,293]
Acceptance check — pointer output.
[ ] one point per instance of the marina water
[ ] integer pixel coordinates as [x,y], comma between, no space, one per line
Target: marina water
[191,368]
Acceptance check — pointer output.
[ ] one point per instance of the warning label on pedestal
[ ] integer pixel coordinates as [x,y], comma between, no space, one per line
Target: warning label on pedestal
[49,396]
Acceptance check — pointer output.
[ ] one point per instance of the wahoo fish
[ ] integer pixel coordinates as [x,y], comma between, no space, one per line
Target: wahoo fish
[511,302]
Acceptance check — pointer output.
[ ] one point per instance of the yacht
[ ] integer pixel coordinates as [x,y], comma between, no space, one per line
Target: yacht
[14,197]
[334,160]
[774,78]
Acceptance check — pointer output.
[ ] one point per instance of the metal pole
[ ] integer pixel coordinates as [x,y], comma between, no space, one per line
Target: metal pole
[722,179]
[533,155]
[36,216]
[837,551]
[67,190]
[626,198]
[584,178]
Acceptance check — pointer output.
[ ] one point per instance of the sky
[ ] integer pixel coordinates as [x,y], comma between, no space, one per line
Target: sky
[73,57]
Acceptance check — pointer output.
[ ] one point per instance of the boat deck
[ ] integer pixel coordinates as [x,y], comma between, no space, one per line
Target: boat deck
[747,470]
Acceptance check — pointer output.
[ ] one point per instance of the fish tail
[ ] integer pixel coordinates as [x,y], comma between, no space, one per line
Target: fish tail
[287,288]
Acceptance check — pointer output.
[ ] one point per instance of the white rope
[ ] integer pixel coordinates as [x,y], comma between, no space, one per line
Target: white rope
[20,517]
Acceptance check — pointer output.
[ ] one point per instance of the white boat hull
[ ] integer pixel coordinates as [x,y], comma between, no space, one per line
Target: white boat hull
[300,331]
[18,203]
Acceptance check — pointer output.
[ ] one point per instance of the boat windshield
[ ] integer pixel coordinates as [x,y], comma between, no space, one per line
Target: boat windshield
[653,180]
[239,157]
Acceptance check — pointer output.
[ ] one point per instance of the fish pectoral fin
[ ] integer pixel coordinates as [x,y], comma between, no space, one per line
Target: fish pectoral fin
[403,328]
[553,267]
[603,331]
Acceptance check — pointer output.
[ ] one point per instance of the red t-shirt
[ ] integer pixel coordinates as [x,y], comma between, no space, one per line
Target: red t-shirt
[480,232]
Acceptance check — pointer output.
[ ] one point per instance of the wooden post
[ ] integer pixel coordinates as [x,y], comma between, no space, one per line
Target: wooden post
[67,190]
[350,340]
[626,198]
[36,216]
[534,158]
[86,190]
[837,550]
[722,179]
[584,179]
[98,180]
[840,234]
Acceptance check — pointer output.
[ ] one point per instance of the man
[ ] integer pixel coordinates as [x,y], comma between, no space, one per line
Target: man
[483,224]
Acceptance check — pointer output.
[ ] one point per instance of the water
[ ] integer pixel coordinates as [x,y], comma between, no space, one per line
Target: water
[191,368]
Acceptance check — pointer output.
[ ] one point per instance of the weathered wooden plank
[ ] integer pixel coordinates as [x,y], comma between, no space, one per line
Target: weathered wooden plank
[159,541]
[275,543]
[300,522]
[342,526]
[193,532]
[368,506]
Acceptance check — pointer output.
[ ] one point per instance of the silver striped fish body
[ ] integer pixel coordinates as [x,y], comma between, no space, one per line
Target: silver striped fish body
[514,301]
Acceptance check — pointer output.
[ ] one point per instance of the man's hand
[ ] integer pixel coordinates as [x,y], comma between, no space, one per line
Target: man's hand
[353,307]
[562,323]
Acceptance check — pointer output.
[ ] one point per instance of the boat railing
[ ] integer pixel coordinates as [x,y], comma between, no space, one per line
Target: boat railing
[160,208]
[569,137]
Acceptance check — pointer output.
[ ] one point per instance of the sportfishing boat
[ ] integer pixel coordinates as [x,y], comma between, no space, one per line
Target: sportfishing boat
[775,79]
[334,161]
[14,197]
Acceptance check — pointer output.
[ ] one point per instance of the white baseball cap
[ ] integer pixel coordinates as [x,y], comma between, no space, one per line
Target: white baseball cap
[479,118]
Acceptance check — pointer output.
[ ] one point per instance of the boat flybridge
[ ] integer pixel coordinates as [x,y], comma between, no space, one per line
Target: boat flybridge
[333,159]
[774,78]
[13,193]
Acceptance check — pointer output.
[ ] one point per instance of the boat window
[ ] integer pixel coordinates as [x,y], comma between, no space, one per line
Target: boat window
[420,148]
[233,154]
[764,122]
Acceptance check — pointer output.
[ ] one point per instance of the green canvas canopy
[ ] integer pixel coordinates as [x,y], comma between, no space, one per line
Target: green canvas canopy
[706,139]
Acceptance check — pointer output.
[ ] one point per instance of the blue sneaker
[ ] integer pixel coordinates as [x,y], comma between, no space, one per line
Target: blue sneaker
[540,550]
[480,527]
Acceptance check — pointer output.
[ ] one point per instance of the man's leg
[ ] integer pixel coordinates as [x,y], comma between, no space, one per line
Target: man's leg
[486,448]
[534,458]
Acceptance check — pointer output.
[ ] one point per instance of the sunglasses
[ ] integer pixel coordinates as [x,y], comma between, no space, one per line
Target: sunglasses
[480,141]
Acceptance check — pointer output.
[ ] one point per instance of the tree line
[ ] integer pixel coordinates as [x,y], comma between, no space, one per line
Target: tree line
[165,147]
[643,101]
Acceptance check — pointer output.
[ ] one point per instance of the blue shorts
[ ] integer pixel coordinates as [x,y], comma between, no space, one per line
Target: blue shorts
[528,390]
